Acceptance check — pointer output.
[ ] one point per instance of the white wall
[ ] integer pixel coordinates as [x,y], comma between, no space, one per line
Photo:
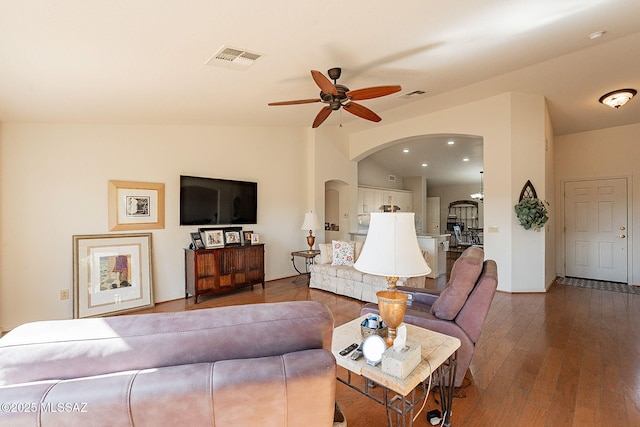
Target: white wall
[53,183]
[331,163]
[373,174]
[528,163]
[551,226]
[605,153]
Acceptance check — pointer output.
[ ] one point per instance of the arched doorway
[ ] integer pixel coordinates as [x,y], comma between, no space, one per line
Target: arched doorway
[439,168]
[336,208]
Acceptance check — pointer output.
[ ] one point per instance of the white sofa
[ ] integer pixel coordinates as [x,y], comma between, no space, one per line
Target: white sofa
[346,280]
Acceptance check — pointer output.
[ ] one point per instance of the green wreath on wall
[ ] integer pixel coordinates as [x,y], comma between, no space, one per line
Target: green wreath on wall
[531,211]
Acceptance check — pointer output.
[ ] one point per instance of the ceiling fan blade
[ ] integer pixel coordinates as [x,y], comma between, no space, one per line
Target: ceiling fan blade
[373,92]
[361,111]
[322,116]
[298,101]
[323,82]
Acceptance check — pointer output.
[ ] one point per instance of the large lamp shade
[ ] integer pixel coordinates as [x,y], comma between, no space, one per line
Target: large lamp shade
[310,222]
[391,248]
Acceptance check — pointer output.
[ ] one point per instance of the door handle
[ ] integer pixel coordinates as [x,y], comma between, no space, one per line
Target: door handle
[622,227]
[622,236]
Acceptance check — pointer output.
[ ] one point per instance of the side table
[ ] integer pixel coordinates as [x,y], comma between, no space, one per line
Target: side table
[309,256]
[438,359]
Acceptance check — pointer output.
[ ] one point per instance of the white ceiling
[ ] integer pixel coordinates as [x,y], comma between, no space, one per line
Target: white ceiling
[144,61]
[446,164]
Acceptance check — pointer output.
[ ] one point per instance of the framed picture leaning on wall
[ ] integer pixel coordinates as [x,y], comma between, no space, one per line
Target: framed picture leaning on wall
[111,274]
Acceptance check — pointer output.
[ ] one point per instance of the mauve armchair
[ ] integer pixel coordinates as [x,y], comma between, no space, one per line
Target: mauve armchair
[460,309]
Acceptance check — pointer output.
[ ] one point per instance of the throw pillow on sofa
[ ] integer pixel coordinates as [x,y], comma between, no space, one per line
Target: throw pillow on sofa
[343,253]
[326,253]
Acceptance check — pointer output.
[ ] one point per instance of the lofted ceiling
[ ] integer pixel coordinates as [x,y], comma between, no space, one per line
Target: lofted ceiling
[145,61]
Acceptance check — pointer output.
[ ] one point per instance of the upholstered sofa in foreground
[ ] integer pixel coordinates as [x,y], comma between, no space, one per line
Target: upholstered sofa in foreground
[253,365]
[343,279]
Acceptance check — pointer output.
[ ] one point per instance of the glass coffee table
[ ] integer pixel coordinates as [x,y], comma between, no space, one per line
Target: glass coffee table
[400,396]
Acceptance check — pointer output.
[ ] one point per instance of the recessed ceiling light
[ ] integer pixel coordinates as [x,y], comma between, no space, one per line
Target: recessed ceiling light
[596,35]
[466,159]
[406,150]
[450,143]
[424,165]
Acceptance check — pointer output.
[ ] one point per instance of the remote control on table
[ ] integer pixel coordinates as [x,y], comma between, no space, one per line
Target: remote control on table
[348,349]
[356,355]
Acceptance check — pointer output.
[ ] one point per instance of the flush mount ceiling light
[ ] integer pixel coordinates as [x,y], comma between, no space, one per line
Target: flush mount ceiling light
[618,98]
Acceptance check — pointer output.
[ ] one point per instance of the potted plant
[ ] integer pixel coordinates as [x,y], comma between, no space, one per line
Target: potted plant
[532,213]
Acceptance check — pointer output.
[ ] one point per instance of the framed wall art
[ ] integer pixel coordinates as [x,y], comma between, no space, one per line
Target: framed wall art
[111,274]
[135,205]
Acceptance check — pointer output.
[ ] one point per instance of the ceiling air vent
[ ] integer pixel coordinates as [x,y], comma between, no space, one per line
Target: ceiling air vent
[230,57]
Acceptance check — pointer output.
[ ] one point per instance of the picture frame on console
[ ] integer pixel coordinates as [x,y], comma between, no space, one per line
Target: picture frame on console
[135,205]
[213,238]
[232,237]
[111,274]
[196,241]
[246,236]
[255,238]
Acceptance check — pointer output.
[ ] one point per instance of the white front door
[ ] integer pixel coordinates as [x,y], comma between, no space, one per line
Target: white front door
[596,229]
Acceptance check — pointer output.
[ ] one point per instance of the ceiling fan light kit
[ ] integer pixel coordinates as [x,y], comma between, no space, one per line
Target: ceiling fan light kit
[338,96]
[618,98]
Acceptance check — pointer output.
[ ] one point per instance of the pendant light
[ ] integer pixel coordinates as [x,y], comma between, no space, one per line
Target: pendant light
[480,195]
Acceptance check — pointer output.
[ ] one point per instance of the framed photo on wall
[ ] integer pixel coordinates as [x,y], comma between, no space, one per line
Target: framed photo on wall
[111,274]
[135,205]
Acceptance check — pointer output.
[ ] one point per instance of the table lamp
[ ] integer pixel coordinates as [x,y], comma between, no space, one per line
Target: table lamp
[310,223]
[391,249]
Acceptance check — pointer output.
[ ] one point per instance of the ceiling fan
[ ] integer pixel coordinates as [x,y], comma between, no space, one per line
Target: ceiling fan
[337,95]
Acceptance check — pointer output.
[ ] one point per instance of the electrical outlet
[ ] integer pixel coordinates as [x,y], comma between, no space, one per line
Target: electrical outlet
[64,294]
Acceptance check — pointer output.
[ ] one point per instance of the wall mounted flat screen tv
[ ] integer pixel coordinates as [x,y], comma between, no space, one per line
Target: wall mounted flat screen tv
[208,201]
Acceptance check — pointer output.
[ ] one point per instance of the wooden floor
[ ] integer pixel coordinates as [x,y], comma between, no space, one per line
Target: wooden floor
[570,357]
